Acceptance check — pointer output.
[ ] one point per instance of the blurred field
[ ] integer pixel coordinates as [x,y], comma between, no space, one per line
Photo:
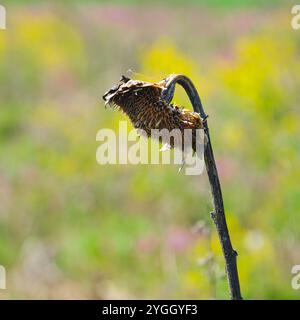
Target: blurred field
[70,228]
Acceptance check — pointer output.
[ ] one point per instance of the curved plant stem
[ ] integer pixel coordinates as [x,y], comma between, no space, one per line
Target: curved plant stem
[218,215]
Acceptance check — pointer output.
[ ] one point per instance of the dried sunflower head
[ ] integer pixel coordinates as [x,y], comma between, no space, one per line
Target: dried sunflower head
[143,103]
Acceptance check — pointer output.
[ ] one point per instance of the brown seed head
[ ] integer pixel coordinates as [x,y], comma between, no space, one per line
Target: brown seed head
[142,103]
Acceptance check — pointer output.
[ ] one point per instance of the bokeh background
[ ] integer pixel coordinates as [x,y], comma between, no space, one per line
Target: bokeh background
[71,228]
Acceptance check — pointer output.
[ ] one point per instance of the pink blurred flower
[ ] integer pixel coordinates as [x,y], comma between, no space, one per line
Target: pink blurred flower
[226,168]
[147,244]
[178,239]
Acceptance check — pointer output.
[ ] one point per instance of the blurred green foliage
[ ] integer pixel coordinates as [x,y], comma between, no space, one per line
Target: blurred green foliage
[70,228]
